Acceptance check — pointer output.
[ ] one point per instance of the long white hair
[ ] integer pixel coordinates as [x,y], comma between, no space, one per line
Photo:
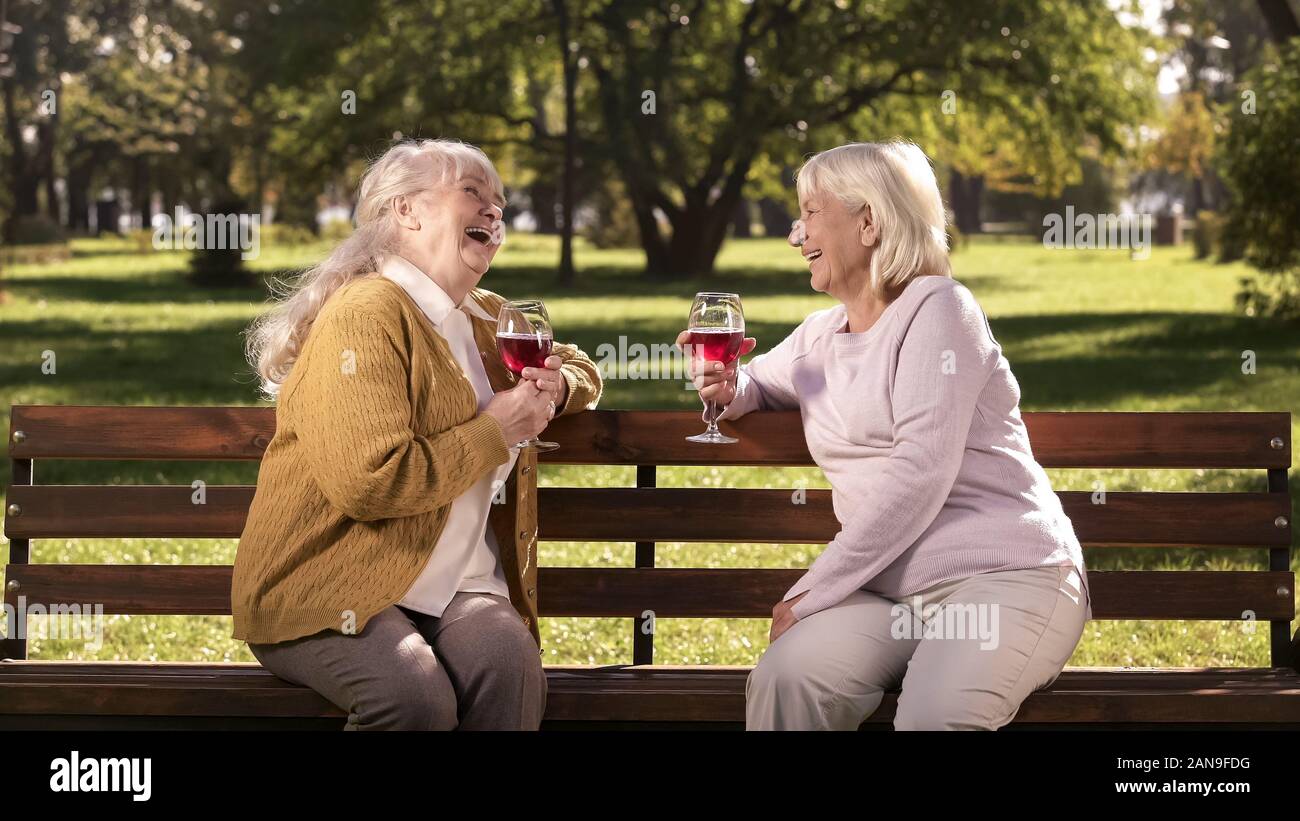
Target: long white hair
[407,168]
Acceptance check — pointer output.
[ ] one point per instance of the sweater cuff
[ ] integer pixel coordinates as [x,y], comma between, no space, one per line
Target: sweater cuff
[807,605]
[746,398]
[570,383]
[484,434]
[583,393]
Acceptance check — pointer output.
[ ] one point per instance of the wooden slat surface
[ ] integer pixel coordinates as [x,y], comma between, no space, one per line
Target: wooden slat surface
[626,693]
[771,516]
[1076,439]
[670,592]
[656,514]
[127,511]
[117,432]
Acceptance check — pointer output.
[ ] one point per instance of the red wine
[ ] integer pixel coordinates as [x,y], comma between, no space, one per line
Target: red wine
[716,344]
[519,351]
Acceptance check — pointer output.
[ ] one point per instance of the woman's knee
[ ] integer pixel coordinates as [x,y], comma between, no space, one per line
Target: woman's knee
[787,666]
[413,694]
[947,713]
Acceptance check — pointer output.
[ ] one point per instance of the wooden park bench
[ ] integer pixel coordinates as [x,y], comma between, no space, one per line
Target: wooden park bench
[38,693]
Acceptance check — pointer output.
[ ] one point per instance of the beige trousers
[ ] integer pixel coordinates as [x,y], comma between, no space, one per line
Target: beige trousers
[965,652]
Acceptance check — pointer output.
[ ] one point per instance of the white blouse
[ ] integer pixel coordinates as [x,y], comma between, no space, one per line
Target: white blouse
[466,557]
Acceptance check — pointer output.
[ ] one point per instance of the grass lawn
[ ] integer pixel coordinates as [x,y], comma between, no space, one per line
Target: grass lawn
[1084,330]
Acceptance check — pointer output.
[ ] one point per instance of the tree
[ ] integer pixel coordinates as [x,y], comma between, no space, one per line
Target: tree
[1185,145]
[1261,165]
[730,83]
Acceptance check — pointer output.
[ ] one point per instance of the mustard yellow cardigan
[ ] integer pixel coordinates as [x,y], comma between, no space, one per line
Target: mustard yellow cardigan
[377,432]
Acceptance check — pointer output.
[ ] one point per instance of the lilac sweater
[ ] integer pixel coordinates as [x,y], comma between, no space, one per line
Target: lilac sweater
[916,424]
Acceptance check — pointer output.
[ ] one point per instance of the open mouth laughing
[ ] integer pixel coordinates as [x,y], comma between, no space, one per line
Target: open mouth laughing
[479,234]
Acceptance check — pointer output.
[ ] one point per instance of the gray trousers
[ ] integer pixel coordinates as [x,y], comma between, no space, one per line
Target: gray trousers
[476,667]
[965,652]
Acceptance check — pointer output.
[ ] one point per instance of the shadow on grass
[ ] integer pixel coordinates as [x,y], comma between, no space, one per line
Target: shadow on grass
[202,364]
[600,281]
[1104,357]
[127,287]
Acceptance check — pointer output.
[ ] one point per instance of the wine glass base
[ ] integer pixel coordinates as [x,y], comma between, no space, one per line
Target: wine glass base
[538,445]
[709,438]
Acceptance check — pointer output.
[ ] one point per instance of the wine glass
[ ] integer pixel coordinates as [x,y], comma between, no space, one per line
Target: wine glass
[717,329]
[524,339]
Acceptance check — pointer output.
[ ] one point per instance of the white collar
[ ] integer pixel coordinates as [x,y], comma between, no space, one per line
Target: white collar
[426,293]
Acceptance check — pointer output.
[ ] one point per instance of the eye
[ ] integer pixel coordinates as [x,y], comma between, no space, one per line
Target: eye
[472,190]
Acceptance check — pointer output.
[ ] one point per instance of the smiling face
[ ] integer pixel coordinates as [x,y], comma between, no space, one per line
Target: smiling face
[459,227]
[837,245]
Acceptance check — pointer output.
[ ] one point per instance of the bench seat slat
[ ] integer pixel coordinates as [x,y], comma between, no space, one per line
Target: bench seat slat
[1067,439]
[657,514]
[669,592]
[630,693]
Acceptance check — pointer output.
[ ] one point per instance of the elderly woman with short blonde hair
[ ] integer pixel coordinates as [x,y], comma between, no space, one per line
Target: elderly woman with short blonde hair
[374,567]
[955,574]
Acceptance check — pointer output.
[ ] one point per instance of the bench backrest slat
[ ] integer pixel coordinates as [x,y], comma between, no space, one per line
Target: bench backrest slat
[655,514]
[669,592]
[1081,440]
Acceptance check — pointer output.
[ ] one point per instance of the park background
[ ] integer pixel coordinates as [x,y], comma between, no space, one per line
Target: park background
[624,204]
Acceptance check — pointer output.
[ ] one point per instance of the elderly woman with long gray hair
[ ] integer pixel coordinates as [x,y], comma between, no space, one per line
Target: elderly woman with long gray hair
[367,569]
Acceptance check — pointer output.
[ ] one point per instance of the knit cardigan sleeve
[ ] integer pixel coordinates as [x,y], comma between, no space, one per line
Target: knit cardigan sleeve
[582,376]
[351,411]
[580,373]
[945,358]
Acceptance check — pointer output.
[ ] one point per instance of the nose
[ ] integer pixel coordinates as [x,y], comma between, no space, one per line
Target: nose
[798,234]
[492,211]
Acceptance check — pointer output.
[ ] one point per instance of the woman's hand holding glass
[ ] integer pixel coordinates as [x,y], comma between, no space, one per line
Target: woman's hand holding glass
[550,379]
[523,411]
[715,381]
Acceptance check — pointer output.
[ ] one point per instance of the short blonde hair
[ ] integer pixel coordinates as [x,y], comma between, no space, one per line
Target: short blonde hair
[894,178]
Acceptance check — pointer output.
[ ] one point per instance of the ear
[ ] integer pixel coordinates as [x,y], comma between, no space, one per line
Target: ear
[868,230]
[404,212]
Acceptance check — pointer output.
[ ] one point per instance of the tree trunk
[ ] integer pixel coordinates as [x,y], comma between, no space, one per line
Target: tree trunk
[698,233]
[140,194]
[1282,22]
[79,175]
[542,194]
[741,227]
[47,132]
[22,181]
[776,220]
[570,146]
[964,195]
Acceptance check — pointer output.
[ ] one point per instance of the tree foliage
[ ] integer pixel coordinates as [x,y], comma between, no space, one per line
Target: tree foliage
[1261,165]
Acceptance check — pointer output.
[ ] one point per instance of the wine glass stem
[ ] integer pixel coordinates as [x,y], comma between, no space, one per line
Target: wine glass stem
[712,406]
